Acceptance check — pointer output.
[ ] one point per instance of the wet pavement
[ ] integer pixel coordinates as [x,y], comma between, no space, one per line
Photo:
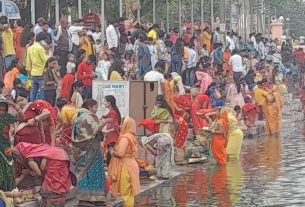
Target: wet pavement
[271,172]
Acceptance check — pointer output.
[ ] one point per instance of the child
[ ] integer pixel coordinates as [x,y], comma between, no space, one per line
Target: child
[71,64]
[102,68]
[17,85]
[249,112]
[238,114]
[76,98]
[98,45]
[129,65]
[153,51]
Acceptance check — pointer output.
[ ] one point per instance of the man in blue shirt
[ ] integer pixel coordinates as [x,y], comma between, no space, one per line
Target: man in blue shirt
[217,57]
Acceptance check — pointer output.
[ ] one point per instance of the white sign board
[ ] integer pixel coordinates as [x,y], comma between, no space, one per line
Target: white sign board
[118,89]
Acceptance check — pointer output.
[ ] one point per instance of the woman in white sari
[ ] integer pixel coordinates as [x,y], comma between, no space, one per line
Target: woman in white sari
[162,146]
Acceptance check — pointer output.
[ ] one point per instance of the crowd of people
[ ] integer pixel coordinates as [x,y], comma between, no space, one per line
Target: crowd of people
[212,83]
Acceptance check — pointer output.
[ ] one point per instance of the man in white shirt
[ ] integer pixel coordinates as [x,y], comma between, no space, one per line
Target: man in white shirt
[74,29]
[38,26]
[261,49]
[230,41]
[113,37]
[156,76]
[217,37]
[191,65]
[236,62]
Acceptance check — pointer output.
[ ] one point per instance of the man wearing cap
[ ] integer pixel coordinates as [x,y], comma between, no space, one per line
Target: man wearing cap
[35,63]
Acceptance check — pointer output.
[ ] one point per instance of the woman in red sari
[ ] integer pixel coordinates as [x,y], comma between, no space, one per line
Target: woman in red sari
[31,131]
[51,163]
[220,131]
[113,119]
[249,112]
[182,105]
[202,101]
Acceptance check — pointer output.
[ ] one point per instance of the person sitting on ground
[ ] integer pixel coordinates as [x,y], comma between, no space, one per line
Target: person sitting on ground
[215,95]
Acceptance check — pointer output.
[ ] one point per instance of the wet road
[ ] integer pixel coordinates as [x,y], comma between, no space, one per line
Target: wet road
[271,172]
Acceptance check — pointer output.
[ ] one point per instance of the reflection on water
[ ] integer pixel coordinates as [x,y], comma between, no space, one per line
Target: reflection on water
[271,172]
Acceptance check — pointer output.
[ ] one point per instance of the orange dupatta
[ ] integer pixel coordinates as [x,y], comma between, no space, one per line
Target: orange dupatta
[219,141]
[128,132]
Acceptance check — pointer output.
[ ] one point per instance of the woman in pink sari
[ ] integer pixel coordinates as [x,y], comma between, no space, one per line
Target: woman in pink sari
[51,163]
[204,78]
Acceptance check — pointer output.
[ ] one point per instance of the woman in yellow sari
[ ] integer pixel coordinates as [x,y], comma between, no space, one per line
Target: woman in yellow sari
[272,108]
[123,168]
[236,136]
[206,39]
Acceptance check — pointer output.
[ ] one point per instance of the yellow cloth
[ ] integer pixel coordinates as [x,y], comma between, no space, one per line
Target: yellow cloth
[234,143]
[86,45]
[153,34]
[8,42]
[115,76]
[68,114]
[206,40]
[259,95]
[125,188]
[236,136]
[36,59]
[185,54]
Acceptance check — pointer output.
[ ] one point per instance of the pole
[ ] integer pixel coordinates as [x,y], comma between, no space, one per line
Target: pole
[167,16]
[57,12]
[192,16]
[245,21]
[121,8]
[231,18]
[103,20]
[154,11]
[33,17]
[139,16]
[80,15]
[212,15]
[180,22]
[202,15]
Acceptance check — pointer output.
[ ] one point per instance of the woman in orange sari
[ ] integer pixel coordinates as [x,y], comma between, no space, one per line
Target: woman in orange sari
[220,131]
[273,110]
[17,38]
[202,101]
[123,168]
[169,94]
